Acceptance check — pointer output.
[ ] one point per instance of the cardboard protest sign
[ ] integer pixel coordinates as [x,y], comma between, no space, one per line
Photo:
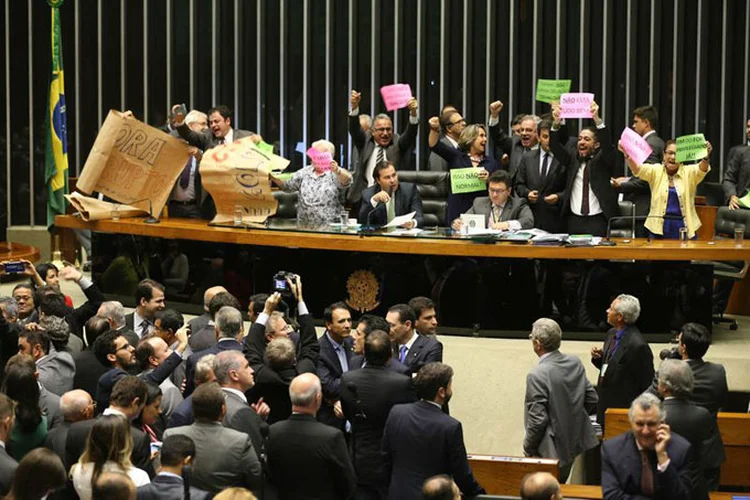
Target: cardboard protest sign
[96,209]
[396,96]
[131,161]
[320,159]
[576,105]
[465,180]
[635,146]
[236,174]
[691,148]
[551,90]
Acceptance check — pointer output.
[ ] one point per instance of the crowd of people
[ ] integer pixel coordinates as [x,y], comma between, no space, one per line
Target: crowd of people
[155,407]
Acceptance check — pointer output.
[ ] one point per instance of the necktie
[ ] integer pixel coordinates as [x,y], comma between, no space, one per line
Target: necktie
[144,328]
[381,155]
[402,353]
[342,359]
[185,175]
[647,474]
[585,197]
[545,167]
[391,208]
[496,213]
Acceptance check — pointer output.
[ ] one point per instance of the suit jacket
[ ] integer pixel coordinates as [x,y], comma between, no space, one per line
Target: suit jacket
[156,377]
[309,460]
[56,371]
[169,488]
[223,457]
[621,470]
[737,175]
[8,467]
[420,441]
[601,170]
[78,432]
[329,372]
[367,396]
[224,345]
[515,209]
[356,362]
[49,403]
[56,439]
[436,162]
[710,392]
[424,350]
[183,414]
[407,200]
[559,399]
[695,424]
[199,322]
[510,145]
[399,148]
[629,371]
[528,179]
[78,317]
[203,338]
[88,371]
[241,417]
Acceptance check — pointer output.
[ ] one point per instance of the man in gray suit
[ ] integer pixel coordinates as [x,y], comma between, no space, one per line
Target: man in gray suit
[224,457]
[7,463]
[56,369]
[514,145]
[559,400]
[451,125]
[378,144]
[500,209]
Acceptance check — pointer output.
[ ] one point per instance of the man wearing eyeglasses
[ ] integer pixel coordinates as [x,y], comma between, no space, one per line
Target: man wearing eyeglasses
[500,209]
[451,125]
[380,143]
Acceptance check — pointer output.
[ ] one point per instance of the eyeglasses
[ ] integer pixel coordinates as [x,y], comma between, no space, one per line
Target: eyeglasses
[457,122]
[382,129]
[125,347]
[669,153]
[498,191]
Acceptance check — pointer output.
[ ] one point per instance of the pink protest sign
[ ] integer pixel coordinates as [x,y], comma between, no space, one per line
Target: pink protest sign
[576,105]
[395,96]
[321,159]
[634,145]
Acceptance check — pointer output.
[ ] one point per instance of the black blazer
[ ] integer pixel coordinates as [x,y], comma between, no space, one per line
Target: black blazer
[621,469]
[510,145]
[169,488]
[737,176]
[528,179]
[710,392]
[88,371]
[629,371]
[224,345]
[78,317]
[397,152]
[329,371]
[182,415]
[420,441]
[367,396]
[78,433]
[407,201]
[356,362]
[695,424]
[424,350]
[309,460]
[601,170]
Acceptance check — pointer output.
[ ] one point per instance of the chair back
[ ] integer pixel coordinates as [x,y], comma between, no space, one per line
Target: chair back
[623,228]
[433,189]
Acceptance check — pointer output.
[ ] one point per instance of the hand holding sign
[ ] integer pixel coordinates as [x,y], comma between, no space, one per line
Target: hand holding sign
[321,159]
[396,96]
[634,146]
[576,105]
[691,148]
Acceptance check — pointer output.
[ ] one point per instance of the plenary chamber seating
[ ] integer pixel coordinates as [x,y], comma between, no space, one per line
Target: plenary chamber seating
[433,188]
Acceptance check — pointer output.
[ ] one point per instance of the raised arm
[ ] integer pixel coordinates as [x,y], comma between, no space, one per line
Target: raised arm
[409,136]
[555,139]
[355,129]
[496,132]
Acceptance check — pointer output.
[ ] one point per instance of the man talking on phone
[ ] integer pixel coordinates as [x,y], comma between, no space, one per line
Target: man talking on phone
[650,461]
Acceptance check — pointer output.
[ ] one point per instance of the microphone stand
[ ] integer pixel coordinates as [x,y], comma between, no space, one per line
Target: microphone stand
[150,219]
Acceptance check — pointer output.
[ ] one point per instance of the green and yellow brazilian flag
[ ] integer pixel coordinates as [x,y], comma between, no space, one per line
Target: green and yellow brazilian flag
[56,157]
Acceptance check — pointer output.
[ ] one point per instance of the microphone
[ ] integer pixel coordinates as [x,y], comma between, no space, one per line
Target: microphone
[607,242]
[150,219]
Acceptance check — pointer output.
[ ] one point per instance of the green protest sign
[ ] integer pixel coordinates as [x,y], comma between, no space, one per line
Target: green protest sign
[691,148]
[465,180]
[551,90]
[745,201]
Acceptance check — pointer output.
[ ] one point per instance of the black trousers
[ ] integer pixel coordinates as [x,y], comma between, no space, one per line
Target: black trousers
[595,225]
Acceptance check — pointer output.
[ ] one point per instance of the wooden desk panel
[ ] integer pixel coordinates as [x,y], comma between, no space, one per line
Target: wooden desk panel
[15,251]
[595,492]
[503,475]
[189,229]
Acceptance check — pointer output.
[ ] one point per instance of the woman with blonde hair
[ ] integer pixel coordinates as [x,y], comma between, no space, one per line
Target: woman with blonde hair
[108,449]
[235,494]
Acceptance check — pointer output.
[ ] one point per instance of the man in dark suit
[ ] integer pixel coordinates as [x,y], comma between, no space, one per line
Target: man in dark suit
[149,298]
[307,459]
[367,396]
[177,452]
[451,126]
[114,313]
[426,314]
[650,461]
[541,180]
[187,193]
[420,441]
[737,178]
[76,405]
[366,325]
[625,363]
[740,148]
[389,198]
[88,366]
[500,209]
[514,146]
[206,336]
[8,464]
[377,145]
[230,329]
[410,348]
[200,322]
[694,423]
[333,361]
[204,373]
[589,201]
[128,398]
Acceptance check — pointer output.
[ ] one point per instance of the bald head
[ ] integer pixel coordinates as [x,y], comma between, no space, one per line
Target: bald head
[210,293]
[114,486]
[540,486]
[305,393]
[77,405]
[440,487]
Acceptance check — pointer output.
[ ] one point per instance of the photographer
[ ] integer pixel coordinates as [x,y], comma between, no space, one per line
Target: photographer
[273,356]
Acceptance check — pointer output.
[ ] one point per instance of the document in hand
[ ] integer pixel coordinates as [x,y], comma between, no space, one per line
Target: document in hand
[400,220]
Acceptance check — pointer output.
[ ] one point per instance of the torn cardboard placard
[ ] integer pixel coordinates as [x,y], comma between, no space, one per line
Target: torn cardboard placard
[95,209]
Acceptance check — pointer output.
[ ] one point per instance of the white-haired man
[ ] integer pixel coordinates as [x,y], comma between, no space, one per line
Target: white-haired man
[625,362]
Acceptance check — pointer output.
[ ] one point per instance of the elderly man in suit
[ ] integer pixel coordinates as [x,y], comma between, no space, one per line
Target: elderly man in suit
[367,396]
[335,353]
[451,125]
[224,457]
[8,464]
[559,399]
[514,146]
[76,405]
[307,459]
[176,453]
[409,347]
[650,461]
[589,201]
[56,369]
[500,209]
[625,362]
[377,145]
[114,313]
[540,486]
[200,322]
[389,198]
[420,441]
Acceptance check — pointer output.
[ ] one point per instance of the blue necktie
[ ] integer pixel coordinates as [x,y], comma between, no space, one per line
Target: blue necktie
[402,353]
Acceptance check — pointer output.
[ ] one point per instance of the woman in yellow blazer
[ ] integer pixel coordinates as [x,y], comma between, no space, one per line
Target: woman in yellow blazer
[673,188]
